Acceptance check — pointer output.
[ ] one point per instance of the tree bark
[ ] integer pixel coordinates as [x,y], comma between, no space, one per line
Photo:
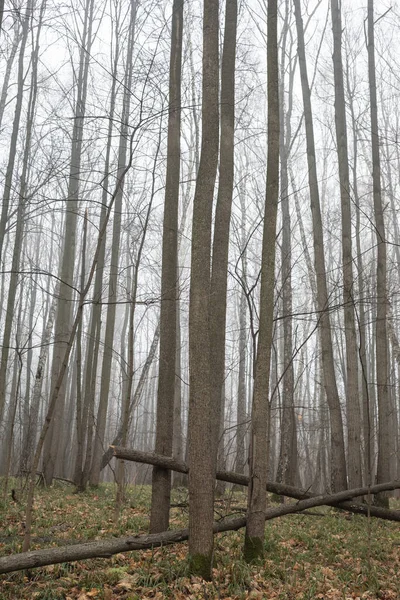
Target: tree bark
[220,250]
[338,463]
[63,322]
[161,480]
[287,463]
[352,401]
[114,267]
[8,186]
[260,417]
[201,455]
[383,466]
[82,469]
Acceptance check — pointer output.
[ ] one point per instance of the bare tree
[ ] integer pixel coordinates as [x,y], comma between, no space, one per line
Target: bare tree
[161,482]
[381,334]
[98,446]
[8,184]
[201,454]
[258,459]
[287,464]
[338,458]
[352,401]
[65,303]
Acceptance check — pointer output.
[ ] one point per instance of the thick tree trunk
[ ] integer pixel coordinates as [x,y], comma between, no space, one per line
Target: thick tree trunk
[201,427]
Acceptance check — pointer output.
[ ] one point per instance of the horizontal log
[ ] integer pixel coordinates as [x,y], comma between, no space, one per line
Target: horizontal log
[166,462]
[108,547]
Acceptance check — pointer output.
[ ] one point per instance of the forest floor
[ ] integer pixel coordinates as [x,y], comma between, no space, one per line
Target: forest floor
[328,554]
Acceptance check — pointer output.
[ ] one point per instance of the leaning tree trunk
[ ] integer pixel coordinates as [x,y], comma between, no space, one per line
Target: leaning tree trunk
[258,460]
[201,455]
[383,466]
[338,467]
[161,480]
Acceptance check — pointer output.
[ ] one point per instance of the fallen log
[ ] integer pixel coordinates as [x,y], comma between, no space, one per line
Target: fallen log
[109,547]
[235,478]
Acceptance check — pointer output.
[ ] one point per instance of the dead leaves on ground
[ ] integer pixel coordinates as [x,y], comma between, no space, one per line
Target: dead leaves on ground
[324,559]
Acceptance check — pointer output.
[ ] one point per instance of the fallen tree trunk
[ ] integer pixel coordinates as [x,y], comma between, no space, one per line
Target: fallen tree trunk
[237,479]
[109,547]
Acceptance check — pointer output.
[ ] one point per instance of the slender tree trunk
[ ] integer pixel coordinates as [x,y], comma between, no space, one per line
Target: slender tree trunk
[107,456]
[352,401]
[260,417]
[80,424]
[161,480]
[201,446]
[127,405]
[241,399]
[98,447]
[9,66]
[367,445]
[64,307]
[220,249]
[8,186]
[338,470]
[383,467]
[82,471]
[287,465]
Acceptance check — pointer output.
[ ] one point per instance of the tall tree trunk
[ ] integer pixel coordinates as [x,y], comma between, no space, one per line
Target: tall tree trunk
[127,405]
[367,445]
[241,392]
[383,466]
[65,303]
[220,248]
[354,469]
[98,447]
[82,469]
[201,428]
[258,461]
[79,415]
[338,469]
[287,465]
[161,480]
[8,186]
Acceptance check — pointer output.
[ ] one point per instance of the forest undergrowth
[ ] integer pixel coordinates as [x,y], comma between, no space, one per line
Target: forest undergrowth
[326,554]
